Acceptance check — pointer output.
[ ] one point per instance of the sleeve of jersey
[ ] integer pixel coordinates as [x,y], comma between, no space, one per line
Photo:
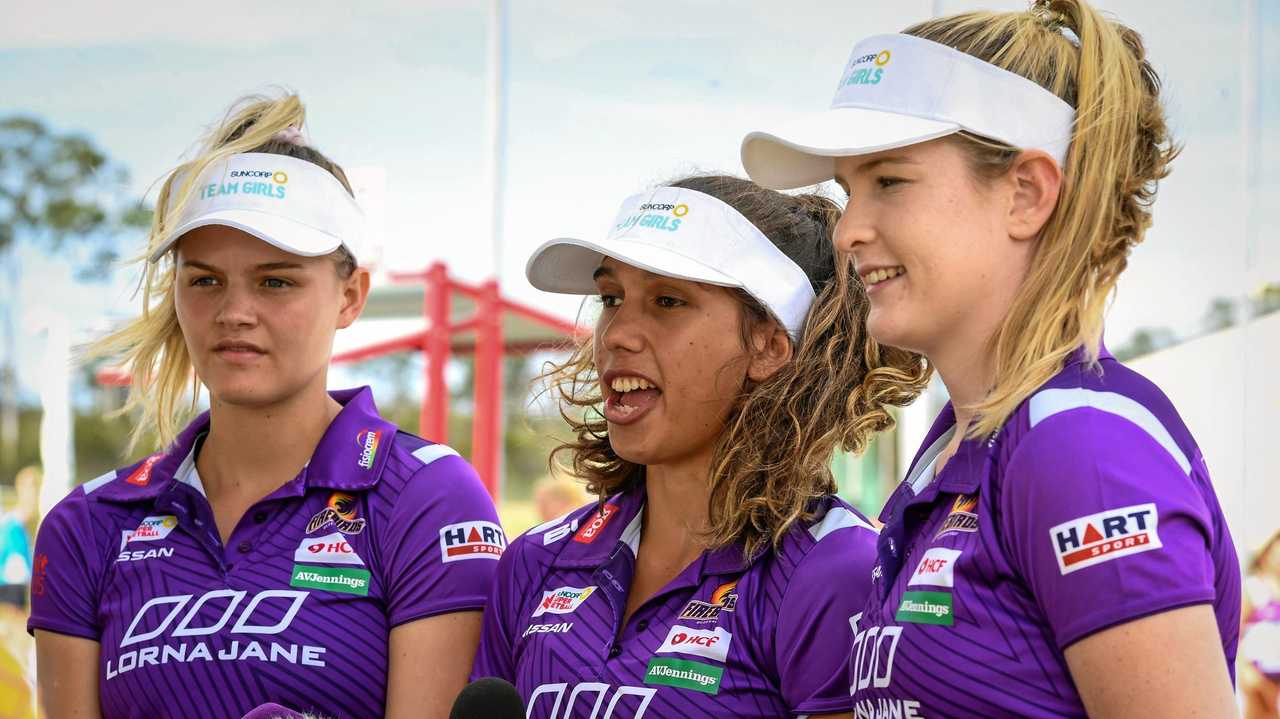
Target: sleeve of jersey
[495,657]
[1104,524]
[815,636]
[443,544]
[66,577]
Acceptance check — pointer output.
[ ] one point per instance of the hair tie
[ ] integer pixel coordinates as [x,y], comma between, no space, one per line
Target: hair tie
[291,135]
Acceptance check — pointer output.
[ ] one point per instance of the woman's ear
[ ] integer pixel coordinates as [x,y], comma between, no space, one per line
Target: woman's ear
[1036,179]
[771,349]
[355,291]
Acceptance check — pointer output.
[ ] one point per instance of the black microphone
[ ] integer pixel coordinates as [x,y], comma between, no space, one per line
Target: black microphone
[488,698]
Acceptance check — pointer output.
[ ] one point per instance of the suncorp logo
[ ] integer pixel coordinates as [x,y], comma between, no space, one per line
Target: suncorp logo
[188,643]
[871,74]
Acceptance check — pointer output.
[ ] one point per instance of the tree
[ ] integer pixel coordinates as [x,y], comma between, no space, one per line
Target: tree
[55,190]
[1220,315]
[1146,340]
[1267,300]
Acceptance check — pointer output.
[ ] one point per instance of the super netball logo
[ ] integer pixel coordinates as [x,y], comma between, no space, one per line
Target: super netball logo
[194,640]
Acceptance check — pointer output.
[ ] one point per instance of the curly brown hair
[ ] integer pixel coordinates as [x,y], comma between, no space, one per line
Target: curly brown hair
[1120,149]
[772,459]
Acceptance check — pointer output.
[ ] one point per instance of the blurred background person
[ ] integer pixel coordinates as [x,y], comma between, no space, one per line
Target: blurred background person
[556,495]
[1259,666]
[17,527]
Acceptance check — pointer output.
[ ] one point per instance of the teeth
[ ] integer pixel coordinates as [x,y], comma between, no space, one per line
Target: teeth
[630,384]
[877,276]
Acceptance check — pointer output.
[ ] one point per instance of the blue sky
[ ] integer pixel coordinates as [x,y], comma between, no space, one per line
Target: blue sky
[606,98]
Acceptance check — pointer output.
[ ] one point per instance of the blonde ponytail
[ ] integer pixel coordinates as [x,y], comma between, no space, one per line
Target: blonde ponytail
[152,346]
[1120,149]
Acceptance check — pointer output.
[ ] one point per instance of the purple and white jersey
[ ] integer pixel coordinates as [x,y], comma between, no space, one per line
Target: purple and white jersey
[381,528]
[724,638]
[1090,507]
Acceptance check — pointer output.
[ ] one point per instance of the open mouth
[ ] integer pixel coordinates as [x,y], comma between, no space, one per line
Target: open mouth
[628,396]
[238,351]
[878,277]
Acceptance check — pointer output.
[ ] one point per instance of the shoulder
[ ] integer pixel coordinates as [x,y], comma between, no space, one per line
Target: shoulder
[541,545]
[1095,413]
[424,470]
[838,538]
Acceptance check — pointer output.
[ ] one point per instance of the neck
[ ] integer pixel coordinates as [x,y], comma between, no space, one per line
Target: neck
[968,372]
[254,450]
[675,514]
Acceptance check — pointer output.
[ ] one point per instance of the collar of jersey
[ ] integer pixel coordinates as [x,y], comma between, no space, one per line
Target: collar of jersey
[334,465]
[630,504]
[958,482]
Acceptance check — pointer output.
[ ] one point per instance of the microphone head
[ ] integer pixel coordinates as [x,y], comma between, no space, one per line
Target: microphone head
[490,698]
[271,710]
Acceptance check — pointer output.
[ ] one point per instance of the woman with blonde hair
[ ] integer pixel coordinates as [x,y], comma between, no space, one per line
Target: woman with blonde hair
[728,361]
[289,546]
[1056,548]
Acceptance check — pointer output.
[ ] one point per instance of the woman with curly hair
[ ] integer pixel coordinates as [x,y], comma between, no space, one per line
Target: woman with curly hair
[727,363]
[1056,548]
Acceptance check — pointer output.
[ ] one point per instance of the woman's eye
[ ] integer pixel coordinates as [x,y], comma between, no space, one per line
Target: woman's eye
[887,182]
[665,301]
[610,301]
[203,281]
[276,283]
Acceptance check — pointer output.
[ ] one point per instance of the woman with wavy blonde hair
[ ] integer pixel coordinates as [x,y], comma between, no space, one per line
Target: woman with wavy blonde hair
[727,363]
[1056,548]
[289,547]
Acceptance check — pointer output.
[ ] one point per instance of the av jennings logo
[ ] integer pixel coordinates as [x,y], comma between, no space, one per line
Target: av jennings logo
[926,608]
[867,69]
[655,215]
[347,580]
[684,674]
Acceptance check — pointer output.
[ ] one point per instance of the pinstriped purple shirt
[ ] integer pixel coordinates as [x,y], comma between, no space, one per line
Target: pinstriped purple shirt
[381,528]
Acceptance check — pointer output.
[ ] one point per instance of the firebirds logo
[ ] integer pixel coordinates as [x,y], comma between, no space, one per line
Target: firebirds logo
[341,513]
[1101,537]
[962,517]
[723,599]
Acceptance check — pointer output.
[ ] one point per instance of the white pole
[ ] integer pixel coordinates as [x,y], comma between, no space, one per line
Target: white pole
[497,128]
[1251,359]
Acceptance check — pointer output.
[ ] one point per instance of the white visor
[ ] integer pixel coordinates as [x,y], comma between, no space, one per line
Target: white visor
[898,90]
[293,204]
[688,235]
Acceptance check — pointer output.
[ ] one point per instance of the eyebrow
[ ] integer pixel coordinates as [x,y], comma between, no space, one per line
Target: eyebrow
[600,272]
[265,267]
[894,159]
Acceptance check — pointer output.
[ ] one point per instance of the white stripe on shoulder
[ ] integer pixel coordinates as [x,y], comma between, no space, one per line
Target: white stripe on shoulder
[96,482]
[1049,402]
[837,518]
[432,452]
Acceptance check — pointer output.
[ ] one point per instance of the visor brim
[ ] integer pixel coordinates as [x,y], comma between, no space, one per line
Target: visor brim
[803,152]
[566,265]
[289,235]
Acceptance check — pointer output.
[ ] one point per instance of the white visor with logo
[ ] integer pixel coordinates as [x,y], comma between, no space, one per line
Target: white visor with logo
[293,204]
[899,90]
[688,235]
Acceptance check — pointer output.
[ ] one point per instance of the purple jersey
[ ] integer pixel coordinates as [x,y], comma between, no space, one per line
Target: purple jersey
[1091,507]
[380,528]
[767,638]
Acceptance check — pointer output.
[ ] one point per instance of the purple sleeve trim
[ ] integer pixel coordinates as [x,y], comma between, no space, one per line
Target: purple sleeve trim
[52,625]
[1079,630]
[475,602]
[824,706]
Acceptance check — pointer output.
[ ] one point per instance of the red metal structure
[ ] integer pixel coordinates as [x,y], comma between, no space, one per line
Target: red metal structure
[462,318]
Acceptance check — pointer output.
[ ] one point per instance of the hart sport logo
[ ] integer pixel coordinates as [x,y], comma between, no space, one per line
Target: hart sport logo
[1101,537]
[471,540]
[367,441]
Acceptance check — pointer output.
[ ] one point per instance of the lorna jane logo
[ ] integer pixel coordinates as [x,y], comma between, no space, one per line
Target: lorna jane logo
[368,443]
[867,69]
